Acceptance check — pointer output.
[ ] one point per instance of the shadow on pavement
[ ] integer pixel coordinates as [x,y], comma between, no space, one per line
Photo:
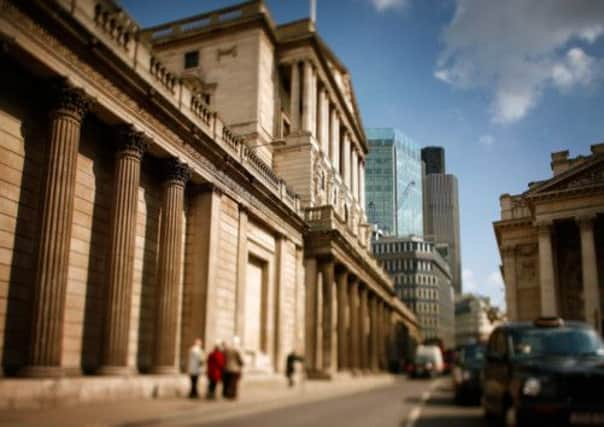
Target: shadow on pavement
[450,420]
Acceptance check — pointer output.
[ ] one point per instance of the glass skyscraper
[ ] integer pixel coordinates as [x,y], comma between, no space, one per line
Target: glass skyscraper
[393,182]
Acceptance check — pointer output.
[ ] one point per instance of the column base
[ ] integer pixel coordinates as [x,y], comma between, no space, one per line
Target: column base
[123,371]
[164,370]
[48,372]
[319,375]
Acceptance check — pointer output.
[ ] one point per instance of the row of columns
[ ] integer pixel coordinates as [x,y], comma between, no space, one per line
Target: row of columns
[348,325]
[547,277]
[55,236]
[312,111]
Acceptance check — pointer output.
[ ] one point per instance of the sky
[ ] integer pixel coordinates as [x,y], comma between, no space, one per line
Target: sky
[500,84]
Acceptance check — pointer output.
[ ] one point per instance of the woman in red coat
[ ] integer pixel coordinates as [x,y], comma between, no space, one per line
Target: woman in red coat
[214,371]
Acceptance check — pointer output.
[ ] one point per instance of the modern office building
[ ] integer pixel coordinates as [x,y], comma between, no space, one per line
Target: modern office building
[441,212]
[434,159]
[394,183]
[423,281]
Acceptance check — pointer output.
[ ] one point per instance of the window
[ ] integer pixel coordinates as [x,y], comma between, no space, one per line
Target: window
[192,59]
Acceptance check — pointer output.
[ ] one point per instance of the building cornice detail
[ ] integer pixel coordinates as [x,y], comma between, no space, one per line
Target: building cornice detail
[156,130]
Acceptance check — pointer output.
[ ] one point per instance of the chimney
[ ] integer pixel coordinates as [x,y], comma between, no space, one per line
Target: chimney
[560,162]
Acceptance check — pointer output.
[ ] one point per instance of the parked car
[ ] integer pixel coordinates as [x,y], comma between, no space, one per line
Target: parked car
[449,360]
[467,371]
[546,373]
[428,362]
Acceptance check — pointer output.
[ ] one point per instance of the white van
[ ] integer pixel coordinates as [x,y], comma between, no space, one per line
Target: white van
[428,361]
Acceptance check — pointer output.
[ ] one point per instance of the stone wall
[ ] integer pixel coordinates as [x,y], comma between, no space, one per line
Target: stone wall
[22,157]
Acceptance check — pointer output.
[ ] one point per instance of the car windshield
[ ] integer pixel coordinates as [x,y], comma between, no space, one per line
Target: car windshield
[474,353]
[556,342]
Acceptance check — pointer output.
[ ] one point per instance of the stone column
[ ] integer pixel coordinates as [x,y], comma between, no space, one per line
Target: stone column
[362,184]
[343,337]
[509,273]
[374,341]
[335,140]
[313,321]
[169,265]
[120,257]
[346,157]
[330,339]
[307,97]
[591,291]
[294,109]
[363,342]
[324,118]
[380,333]
[354,168]
[71,105]
[549,306]
[353,330]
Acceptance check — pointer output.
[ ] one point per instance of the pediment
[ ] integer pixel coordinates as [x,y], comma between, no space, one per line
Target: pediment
[587,175]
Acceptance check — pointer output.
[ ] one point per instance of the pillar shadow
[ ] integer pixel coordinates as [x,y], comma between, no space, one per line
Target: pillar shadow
[17,88]
[93,136]
[149,268]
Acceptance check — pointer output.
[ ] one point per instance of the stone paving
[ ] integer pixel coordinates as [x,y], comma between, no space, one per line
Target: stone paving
[256,396]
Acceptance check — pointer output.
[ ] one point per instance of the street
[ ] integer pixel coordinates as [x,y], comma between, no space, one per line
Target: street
[360,402]
[407,403]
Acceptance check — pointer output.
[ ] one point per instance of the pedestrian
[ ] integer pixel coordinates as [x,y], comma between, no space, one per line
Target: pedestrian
[214,371]
[290,366]
[232,369]
[196,358]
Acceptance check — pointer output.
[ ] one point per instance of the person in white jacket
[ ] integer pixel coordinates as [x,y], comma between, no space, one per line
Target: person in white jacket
[196,358]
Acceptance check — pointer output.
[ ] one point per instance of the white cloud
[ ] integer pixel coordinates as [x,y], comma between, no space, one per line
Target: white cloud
[383,5]
[487,140]
[517,48]
[491,287]
[469,280]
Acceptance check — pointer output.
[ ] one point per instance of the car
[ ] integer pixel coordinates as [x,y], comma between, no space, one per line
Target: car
[546,373]
[428,362]
[449,360]
[467,373]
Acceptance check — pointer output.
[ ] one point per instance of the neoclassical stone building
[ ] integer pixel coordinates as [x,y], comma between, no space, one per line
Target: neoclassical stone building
[203,178]
[551,240]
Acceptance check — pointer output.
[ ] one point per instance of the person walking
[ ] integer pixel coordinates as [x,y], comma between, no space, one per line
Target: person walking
[290,366]
[196,358]
[216,364]
[232,370]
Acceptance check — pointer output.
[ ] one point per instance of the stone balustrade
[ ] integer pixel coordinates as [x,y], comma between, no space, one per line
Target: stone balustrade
[327,218]
[113,27]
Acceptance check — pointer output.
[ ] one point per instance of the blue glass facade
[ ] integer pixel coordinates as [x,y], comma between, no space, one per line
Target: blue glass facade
[393,182]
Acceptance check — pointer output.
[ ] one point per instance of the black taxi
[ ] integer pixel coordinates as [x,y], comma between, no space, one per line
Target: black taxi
[546,373]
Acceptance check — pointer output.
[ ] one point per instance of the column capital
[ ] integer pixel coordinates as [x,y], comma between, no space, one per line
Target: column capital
[544,226]
[586,221]
[131,141]
[70,100]
[508,250]
[176,171]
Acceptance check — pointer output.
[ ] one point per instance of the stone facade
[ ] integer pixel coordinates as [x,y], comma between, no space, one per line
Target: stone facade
[551,241]
[133,219]
[472,319]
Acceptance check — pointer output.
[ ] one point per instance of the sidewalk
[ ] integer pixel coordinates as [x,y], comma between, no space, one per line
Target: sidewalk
[254,397]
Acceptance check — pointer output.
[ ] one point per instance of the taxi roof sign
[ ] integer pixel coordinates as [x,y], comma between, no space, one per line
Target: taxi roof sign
[549,322]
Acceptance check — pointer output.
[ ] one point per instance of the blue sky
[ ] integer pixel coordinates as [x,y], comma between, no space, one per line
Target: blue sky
[499,83]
